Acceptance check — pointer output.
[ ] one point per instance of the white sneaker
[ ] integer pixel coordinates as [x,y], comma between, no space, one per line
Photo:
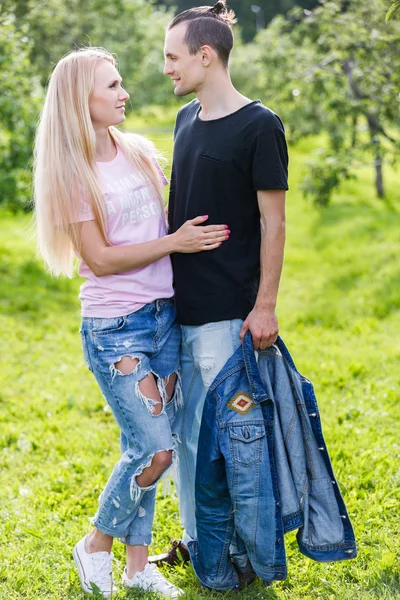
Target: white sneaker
[94,568]
[150,579]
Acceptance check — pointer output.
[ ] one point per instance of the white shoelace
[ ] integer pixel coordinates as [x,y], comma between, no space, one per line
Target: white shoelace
[102,568]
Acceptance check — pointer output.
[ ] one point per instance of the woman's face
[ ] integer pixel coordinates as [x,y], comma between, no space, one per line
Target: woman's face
[107,102]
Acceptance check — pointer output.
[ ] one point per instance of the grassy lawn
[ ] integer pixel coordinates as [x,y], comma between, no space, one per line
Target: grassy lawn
[339,313]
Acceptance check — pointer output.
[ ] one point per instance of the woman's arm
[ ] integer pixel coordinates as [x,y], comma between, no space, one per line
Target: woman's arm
[106,260]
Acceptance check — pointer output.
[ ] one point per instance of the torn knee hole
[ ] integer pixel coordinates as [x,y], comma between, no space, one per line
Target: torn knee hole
[163,459]
[150,473]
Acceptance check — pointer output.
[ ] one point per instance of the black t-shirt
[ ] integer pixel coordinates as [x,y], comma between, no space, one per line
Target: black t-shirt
[218,166]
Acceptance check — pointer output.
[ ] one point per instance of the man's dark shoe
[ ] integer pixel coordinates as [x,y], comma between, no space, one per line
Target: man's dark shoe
[178,553]
[246,576]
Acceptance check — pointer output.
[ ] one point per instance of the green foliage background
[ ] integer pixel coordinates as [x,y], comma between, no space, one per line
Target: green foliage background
[332,72]
[20,100]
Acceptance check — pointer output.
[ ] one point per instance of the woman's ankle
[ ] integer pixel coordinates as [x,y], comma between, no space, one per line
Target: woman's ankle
[98,542]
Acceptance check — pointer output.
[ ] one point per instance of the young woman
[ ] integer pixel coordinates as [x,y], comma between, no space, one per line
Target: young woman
[98,194]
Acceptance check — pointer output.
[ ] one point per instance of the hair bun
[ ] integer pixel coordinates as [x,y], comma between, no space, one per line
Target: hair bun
[219,7]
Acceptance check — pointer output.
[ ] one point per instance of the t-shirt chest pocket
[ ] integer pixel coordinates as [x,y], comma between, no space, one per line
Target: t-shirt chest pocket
[222,172]
[213,159]
[213,168]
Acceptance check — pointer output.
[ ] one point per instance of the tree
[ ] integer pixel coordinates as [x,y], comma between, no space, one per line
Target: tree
[335,71]
[35,35]
[20,100]
[132,29]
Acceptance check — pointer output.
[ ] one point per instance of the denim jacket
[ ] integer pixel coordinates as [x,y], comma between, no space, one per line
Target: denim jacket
[262,470]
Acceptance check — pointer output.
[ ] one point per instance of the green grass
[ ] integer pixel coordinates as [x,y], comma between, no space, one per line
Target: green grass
[339,311]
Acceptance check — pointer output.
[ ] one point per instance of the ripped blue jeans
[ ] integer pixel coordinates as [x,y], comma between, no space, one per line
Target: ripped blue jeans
[151,337]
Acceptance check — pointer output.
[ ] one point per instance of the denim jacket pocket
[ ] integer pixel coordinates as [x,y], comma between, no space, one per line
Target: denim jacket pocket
[246,443]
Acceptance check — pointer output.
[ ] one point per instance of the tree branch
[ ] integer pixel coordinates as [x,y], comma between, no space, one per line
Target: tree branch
[376,127]
[347,68]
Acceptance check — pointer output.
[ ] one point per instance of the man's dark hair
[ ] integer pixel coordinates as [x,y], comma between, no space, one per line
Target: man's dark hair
[208,26]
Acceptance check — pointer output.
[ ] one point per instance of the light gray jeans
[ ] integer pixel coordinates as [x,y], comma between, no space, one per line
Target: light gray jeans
[205,350]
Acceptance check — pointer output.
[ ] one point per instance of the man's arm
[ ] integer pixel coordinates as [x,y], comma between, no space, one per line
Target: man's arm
[262,320]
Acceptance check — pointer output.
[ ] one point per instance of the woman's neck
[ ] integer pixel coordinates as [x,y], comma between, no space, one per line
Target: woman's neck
[106,150]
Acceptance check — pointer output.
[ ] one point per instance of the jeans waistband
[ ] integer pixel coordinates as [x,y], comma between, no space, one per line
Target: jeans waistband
[161,302]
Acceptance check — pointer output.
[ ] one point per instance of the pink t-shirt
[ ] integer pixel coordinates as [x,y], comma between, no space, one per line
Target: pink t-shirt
[134,215]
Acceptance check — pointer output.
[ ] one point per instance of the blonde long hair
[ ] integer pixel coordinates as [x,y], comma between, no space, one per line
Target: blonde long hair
[64,159]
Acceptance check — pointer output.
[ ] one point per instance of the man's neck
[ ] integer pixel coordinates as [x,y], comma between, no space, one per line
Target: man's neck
[218,98]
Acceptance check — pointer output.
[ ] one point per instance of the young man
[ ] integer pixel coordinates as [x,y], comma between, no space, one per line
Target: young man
[230,163]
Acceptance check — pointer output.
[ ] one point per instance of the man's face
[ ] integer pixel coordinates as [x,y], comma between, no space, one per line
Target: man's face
[186,70]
